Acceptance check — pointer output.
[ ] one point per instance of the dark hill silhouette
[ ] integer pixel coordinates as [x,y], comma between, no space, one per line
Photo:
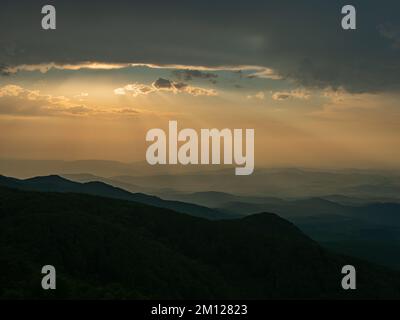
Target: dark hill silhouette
[368,228]
[56,183]
[107,248]
[215,199]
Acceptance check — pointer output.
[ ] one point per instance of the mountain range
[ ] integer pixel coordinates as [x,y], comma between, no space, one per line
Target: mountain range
[110,248]
[369,231]
[56,183]
[283,182]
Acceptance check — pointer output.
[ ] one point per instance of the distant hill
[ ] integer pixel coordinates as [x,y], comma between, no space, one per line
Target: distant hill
[56,183]
[215,199]
[24,168]
[108,248]
[356,201]
[29,168]
[379,213]
[154,190]
[280,183]
[355,226]
[273,182]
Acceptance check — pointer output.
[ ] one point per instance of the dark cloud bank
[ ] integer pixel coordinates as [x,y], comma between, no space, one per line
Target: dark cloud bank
[301,40]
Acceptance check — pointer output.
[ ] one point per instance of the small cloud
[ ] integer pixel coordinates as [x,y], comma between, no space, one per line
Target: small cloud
[126,112]
[264,73]
[259,95]
[180,85]
[82,95]
[281,96]
[4,70]
[336,96]
[78,110]
[196,91]
[343,104]
[162,84]
[120,91]
[11,90]
[134,89]
[293,94]
[15,100]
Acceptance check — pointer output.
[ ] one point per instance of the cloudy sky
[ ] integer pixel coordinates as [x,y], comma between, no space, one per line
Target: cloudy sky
[315,94]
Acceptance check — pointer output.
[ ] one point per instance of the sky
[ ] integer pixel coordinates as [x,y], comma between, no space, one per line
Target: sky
[316,95]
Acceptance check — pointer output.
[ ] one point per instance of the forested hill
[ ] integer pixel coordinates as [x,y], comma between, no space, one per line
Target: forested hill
[55,183]
[108,248]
